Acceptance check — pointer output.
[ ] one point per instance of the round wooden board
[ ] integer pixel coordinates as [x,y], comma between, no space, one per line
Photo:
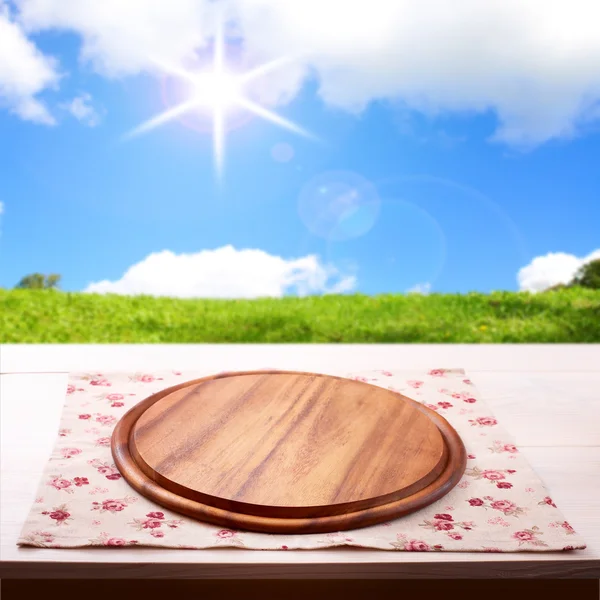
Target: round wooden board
[287,452]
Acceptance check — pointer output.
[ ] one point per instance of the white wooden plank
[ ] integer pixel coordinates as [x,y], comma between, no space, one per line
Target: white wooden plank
[310,357]
[545,409]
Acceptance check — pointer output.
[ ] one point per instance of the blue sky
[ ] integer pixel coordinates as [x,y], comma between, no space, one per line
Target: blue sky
[439,205]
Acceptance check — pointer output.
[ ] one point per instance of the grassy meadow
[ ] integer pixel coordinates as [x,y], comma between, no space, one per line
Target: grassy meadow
[49,316]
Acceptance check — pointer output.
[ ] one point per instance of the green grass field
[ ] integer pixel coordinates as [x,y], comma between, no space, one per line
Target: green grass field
[38,316]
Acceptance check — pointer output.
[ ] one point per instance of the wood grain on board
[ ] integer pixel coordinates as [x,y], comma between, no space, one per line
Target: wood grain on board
[287,452]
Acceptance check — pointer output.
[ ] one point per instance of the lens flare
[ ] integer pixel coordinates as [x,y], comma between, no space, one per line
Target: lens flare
[218,91]
[385,259]
[282,152]
[339,205]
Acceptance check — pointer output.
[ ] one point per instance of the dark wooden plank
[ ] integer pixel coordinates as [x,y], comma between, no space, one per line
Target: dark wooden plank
[297,589]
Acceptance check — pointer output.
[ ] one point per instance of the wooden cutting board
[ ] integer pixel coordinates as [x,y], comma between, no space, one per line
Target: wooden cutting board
[287,452]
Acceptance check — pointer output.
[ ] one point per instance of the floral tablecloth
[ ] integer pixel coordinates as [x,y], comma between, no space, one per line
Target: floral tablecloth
[500,505]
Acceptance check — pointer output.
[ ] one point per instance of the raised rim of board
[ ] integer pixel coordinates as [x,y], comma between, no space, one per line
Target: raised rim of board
[135,475]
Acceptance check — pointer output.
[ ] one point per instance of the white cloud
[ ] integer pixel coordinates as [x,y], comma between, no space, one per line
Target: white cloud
[121,37]
[420,288]
[82,109]
[535,63]
[24,72]
[546,271]
[1,208]
[226,273]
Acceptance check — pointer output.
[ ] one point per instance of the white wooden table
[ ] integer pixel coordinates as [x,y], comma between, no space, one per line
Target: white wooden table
[548,397]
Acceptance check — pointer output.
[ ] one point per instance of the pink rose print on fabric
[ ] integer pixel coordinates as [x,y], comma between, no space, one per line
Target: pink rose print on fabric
[229,536]
[80,481]
[483,422]
[437,372]
[417,546]
[336,538]
[529,536]
[414,545]
[547,500]
[103,441]
[109,470]
[113,506]
[104,539]
[494,476]
[59,514]
[445,405]
[504,505]
[106,420]
[64,432]
[462,396]
[499,447]
[498,521]
[70,452]
[507,507]
[84,417]
[415,384]
[225,533]
[59,483]
[71,389]
[157,534]
[114,399]
[155,520]
[92,431]
[43,538]
[387,373]
[467,381]
[446,523]
[115,542]
[145,378]
[443,517]
[100,382]
[565,525]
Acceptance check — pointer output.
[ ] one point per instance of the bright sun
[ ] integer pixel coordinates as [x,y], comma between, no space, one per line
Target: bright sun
[213,90]
[217,90]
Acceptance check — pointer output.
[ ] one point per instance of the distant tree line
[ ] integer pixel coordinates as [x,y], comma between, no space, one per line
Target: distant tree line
[588,276]
[37,281]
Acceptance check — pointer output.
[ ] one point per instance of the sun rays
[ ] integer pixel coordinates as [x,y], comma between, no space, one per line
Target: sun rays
[217,91]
